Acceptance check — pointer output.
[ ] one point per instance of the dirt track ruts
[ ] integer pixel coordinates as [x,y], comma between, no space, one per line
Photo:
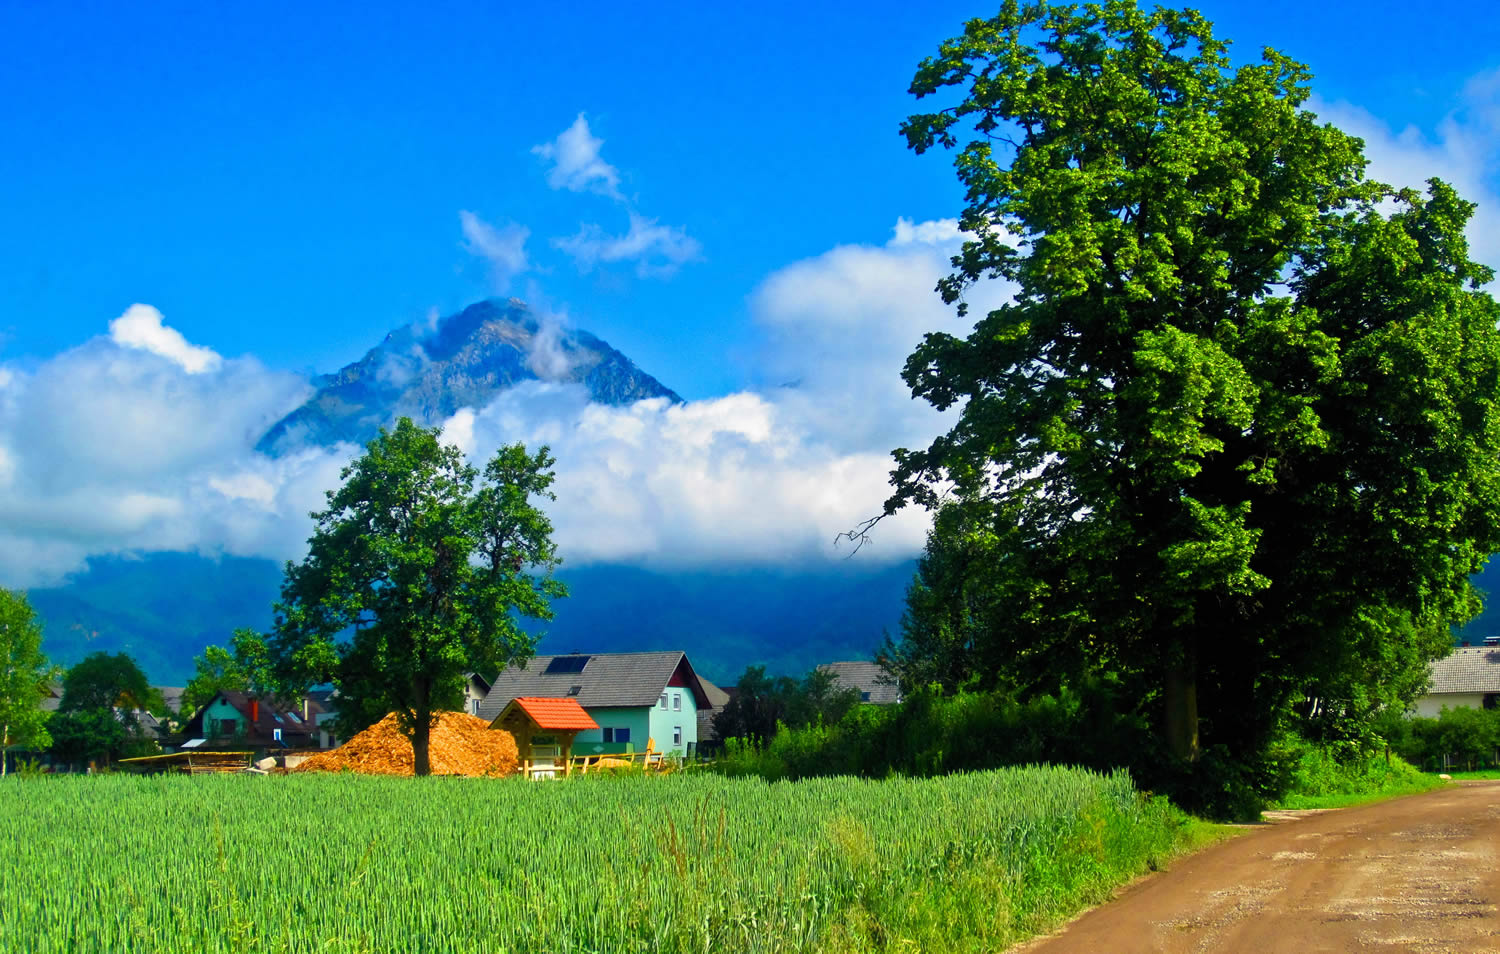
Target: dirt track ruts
[1415,874]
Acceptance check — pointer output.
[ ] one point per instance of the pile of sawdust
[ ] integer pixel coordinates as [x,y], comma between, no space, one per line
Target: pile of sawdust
[460,744]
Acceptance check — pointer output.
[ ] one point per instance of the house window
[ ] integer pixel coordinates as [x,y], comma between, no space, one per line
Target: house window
[474,706]
[677,701]
[609,735]
[676,736]
[664,700]
[864,697]
[622,735]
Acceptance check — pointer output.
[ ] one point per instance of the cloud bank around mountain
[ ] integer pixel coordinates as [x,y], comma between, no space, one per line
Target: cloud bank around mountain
[139,440]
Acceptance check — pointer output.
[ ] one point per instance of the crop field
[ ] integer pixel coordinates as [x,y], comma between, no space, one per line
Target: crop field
[700,863]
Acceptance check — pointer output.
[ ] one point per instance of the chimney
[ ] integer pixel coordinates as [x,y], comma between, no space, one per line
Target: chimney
[1464,643]
[254,711]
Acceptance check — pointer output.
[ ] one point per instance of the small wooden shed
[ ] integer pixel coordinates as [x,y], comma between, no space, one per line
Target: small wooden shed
[544,730]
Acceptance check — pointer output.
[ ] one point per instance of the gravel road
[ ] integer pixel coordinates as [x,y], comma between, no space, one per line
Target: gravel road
[1417,874]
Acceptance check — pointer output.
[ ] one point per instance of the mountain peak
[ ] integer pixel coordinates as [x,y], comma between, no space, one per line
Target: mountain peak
[429,371]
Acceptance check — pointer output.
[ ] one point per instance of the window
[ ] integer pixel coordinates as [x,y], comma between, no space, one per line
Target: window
[609,734]
[864,697]
[663,700]
[622,735]
[676,735]
[474,706]
[677,701]
[276,735]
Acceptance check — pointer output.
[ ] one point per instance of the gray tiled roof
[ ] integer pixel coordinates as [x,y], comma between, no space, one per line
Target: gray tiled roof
[608,679]
[866,677]
[1475,669]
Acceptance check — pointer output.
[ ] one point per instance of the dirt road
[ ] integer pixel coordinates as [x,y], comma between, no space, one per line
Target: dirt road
[1417,874]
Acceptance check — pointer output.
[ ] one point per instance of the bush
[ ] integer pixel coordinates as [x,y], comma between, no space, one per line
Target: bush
[1469,737]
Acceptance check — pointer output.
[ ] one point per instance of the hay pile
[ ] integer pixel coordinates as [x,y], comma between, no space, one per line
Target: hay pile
[460,744]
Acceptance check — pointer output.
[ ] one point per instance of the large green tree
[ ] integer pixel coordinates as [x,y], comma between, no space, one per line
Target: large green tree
[243,665]
[24,677]
[420,570]
[103,680]
[1235,433]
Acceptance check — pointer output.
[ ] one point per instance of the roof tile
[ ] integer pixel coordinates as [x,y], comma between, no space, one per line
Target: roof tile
[561,715]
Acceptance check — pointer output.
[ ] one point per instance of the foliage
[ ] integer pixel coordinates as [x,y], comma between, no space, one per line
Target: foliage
[109,681]
[244,666]
[687,863]
[1467,736]
[761,703]
[88,735]
[24,677]
[1235,438]
[1326,776]
[430,566]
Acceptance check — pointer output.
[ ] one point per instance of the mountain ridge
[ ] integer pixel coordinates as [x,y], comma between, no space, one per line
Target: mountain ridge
[464,360]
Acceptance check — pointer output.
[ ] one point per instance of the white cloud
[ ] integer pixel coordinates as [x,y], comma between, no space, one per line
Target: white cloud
[113,446]
[141,327]
[576,164]
[1461,150]
[503,247]
[732,481]
[657,250]
[111,449]
[934,232]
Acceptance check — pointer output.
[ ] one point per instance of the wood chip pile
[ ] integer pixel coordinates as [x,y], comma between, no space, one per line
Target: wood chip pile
[460,744]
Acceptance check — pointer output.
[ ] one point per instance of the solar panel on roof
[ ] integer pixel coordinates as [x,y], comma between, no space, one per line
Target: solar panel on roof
[567,664]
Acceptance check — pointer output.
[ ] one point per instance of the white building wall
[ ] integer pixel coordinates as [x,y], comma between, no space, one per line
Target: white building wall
[1429,706]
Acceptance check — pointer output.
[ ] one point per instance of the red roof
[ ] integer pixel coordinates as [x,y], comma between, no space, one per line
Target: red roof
[563,715]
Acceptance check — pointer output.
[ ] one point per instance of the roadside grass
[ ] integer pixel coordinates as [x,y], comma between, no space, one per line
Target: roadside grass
[341,863]
[1319,780]
[1477,775]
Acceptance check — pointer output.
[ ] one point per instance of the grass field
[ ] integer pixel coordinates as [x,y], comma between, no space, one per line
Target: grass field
[686,863]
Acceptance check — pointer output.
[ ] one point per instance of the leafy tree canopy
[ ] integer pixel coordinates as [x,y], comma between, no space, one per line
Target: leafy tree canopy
[418,572]
[108,681]
[243,666]
[762,703]
[24,677]
[1235,435]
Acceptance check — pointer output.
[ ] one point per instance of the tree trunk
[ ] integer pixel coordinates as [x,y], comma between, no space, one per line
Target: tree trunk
[421,729]
[1181,718]
[4,749]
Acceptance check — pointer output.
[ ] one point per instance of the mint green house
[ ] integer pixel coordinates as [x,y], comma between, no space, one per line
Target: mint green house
[635,698]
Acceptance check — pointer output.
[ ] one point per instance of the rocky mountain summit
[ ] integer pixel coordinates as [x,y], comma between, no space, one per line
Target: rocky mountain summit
[428,373]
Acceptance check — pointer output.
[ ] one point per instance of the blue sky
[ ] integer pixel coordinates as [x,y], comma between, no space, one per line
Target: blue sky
[287,183]
[283,186]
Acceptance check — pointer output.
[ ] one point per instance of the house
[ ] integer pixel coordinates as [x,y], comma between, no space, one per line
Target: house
[476,687]
[875,685]
[633,697]
[237,720]
[1469,677]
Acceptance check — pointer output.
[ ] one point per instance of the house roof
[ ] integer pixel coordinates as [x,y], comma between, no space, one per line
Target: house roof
[718,699]
[601,680]
[866,677]
[271,716]
[1475,669]
[558,715]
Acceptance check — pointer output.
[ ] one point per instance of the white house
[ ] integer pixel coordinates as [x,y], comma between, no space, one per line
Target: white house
[1469,677]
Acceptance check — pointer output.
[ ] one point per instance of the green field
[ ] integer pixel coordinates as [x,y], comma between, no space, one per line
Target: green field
[678,863]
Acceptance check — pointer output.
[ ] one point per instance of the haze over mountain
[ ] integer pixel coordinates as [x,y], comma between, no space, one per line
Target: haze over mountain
[430,372]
